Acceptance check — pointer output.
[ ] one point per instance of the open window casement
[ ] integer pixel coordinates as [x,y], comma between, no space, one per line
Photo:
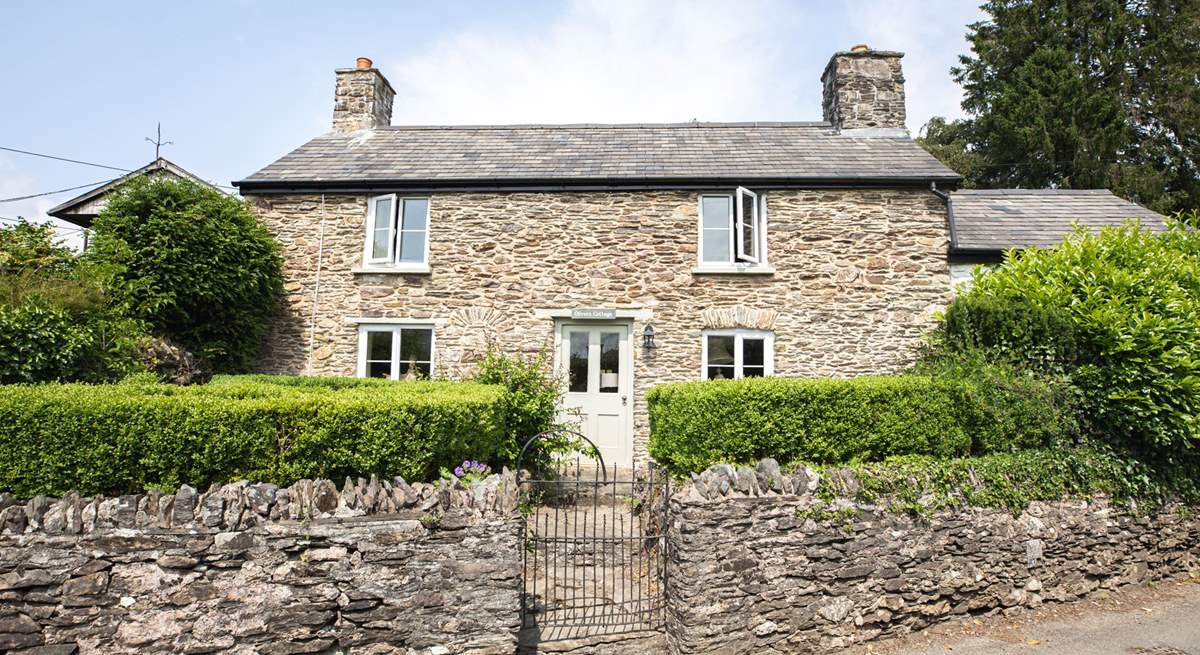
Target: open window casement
[381,230]
[747,224]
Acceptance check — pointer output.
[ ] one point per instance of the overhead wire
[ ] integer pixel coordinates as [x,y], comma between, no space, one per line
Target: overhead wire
[50,193]
[67,159]
[85,163]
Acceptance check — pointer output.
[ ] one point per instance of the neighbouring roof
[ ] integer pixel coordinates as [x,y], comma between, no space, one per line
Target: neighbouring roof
[600,155]
[995,220]
[81,209]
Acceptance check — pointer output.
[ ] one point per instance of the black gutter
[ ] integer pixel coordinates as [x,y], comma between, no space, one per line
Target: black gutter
[544,185]
[977,255]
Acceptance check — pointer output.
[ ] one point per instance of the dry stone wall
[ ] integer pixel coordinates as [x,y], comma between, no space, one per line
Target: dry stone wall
[761,566]
[250,568]
[858,276]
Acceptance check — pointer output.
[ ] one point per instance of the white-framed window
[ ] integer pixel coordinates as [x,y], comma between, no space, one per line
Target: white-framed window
[397,232]
[736,354]
[733,229]
[395,351]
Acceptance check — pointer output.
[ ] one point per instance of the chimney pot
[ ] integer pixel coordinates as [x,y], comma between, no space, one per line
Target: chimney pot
[861,47]
[363,63]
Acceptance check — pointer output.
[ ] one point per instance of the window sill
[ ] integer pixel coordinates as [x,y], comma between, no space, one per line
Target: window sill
[414,269]
[710,269]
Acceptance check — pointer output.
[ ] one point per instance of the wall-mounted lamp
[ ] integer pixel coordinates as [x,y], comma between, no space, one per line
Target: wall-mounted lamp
[648,337]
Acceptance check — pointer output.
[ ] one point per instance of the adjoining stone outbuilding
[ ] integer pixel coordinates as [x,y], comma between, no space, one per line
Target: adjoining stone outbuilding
[639,254]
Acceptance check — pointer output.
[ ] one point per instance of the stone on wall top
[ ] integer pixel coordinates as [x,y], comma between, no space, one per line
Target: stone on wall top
[765,479]
[245,505]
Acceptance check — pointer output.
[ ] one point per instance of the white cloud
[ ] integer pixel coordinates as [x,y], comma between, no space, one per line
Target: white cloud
[674,60]
[603,61]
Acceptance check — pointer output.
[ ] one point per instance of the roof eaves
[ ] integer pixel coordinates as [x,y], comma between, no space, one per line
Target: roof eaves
[597,184]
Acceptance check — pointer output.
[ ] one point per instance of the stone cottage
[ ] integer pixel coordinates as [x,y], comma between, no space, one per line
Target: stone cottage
[637,254]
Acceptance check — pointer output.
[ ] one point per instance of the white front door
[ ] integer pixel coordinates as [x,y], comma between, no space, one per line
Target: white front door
[598,365]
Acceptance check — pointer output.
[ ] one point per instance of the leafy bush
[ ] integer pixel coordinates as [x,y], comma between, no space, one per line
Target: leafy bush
[40,343]
[54,321]
[1118,311]
[531,398]
[193,263]
[119,438]
[26,246]
[696,424]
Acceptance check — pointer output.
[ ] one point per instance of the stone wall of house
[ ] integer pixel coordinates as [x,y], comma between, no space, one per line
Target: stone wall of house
[372,568]
[858,275]
[761,566]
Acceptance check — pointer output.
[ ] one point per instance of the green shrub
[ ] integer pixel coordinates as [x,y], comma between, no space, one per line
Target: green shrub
[40,342]
[531,399]
[121,438]
[1118,311]
[55,323]
[696,424]
[26,247]
[193,263]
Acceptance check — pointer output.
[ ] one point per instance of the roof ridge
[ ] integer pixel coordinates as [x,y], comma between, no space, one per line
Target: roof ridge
[1032,192]
[552,126]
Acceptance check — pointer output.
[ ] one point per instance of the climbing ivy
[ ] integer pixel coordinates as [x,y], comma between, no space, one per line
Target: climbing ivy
[919,485]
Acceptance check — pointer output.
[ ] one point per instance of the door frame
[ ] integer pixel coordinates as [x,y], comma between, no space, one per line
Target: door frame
[627,364]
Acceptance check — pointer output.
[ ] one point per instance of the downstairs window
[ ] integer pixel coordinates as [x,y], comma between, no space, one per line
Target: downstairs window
[736,354]
[395,351]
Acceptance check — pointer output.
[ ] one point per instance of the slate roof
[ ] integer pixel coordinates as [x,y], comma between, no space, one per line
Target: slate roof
[601,154]
[1001,219]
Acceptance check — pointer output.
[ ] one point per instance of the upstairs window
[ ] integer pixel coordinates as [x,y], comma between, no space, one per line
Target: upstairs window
[395,351]
[397,232]
[736,354]
[733,229]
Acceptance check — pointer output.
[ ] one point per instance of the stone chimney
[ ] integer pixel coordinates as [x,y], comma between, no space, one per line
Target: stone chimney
[864,88]
[362,98]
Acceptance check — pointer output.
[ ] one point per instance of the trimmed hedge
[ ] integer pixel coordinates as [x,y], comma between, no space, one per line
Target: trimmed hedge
[696,424]
[126,437]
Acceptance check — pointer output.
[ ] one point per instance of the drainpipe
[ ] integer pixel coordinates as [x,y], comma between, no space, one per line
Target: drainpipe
[949,213]
[312,325]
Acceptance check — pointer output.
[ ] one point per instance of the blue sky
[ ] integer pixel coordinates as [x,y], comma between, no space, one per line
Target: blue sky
[237,83]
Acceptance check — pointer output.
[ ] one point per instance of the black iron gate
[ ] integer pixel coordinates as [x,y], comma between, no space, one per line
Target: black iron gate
[593,540]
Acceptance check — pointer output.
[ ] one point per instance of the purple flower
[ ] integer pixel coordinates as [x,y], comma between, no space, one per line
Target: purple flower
[458,471]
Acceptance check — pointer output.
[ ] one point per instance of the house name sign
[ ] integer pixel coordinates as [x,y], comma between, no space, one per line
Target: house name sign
[594,314]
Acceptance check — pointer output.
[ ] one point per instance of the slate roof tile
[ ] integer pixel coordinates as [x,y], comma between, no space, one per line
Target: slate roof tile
[1000,219]
[732,151]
